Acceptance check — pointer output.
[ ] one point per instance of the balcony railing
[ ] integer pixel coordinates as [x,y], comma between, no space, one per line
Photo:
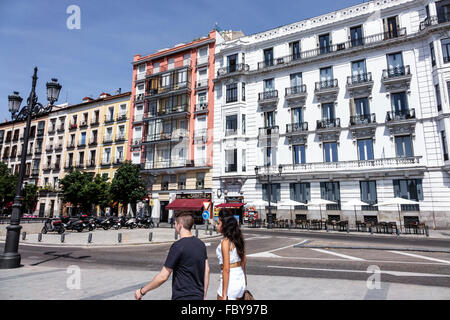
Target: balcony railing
[56,166]
[241,67]
[362,119]
[138,117]
[71,145]
[202,106]
[268,95]
[169,88]
[357,165]
[174,109]
[202,60]
[58,146]
[326,84]
[93,141]
[73,126]
[35,171]
[359,78]
[107,139]
[81,143]
[139,98]
[90,164]
[230,132]
[167,164]
[121,117]
[396,72]
[51,130]
[120,137]
[202,83]
[60,128]
[95,122]
[266,131]
[140,76]
[400,115]
[330,49]
[109,118]
[49,147]
[296,127]
[328,123]
[83,124]
[295,90]
[434,20]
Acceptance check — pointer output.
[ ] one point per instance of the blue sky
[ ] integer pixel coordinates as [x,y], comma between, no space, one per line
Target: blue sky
[97,57]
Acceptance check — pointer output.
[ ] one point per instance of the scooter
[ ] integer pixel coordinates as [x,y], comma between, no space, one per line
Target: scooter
[120,223]
[144,222]
[74,224]
[51,225]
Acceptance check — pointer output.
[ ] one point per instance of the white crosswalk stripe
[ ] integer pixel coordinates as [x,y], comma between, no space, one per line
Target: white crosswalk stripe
[339,255]
[420,257]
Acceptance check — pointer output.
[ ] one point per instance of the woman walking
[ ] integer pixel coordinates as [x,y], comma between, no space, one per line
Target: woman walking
[231,255]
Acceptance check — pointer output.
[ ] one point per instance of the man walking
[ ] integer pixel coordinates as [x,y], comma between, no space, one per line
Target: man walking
[188,261]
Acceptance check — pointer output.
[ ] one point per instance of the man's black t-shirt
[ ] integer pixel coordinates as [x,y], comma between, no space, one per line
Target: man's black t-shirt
[187,258]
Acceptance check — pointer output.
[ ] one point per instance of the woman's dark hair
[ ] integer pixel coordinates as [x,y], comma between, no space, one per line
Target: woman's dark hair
[232,231]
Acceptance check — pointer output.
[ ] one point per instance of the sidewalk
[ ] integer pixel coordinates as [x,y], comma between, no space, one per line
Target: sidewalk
[109,238]
[43,283]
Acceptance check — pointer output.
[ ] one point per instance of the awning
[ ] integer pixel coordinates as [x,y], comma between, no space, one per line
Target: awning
[231,205]
[187,204]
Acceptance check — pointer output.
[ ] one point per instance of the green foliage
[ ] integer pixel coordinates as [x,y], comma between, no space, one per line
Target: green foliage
[8,184]
[127,185]
[30,196]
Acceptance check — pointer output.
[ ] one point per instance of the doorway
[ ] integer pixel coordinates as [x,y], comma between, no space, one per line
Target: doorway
[164,213]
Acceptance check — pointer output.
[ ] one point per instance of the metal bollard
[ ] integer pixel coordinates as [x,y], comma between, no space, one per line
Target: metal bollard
[196,233]
[39,237]
[119,237]
[348,229]
[398,232]
[371,230]
[210,232]
[24,235]
[176,235]
[427,232]
[207,226]
[63,237]
[307,226]
[157,225]
[89,237]
[171,225]
[195,227]
[150,236]
[326,227]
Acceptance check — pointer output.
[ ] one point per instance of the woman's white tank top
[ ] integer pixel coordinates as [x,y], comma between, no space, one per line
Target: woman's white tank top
[234,257]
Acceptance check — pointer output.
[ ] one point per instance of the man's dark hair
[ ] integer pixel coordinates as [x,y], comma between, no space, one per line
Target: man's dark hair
[186,219]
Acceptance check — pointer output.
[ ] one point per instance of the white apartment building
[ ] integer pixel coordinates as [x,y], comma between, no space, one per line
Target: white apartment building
[350,105]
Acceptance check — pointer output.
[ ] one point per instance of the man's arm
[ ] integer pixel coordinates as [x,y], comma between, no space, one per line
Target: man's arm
[206,278]
[157,281]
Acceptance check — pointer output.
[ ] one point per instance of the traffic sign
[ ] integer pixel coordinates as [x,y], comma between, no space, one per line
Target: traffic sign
[206,205]
[205,215]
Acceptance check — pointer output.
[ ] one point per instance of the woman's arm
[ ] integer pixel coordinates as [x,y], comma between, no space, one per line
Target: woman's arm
[226,267]
[206,284]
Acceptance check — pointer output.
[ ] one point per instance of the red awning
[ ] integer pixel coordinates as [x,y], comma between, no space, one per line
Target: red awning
[187,204]
[231,205]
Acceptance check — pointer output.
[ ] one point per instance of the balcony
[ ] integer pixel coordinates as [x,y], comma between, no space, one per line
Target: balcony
[82,144]
[95,122]
[360,85]
[90,164]
[51,130]
[173,89]
[109,118]
[35,171]
[164,165]
[58,147]
[49,148]
[118,162]
[332,50]
[73,126]
[401,122]
[80,165]
[120,138]
[71,145]
[201,84]
[353,168]
[139,98]
[68,165]
[140,76]
[202,61]
[106,163]
[230,132]
[296,94]
[327,91]
[181,111]
[56,166]
[201,107]
[397,79]
[297,133]
[121,117]
[47,167]
[138,118]
[37,151]
[363,126]
[233,70]
[60,128]
[435,21]
[268,135]
[328,129]
[40,132]
[268,100]
[93,142]
[83,124]
[107,139]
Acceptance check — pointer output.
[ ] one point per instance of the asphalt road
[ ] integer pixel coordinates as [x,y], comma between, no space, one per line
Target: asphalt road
[273,253]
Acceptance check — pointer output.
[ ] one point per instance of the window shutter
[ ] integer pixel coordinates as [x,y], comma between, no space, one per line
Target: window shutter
[292,191]
[322,191]
[308,191]
[396,188]
[419,189]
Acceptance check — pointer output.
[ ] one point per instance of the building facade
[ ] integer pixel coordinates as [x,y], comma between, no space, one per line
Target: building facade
[172,121]
[350,105]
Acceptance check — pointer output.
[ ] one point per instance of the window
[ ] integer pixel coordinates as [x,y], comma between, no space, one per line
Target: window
[200,180]
[399,104]
[268,57]
[274,191]
[232,62]
[107,156]
[296,80]
[269,157]
[155,67]
[244,161]
[243,91]
[444,145]
[365,149]
[298,153]
[269,85]
[395,64]
[446,49]
[294,49]
[433,55]
[391,27]
[231,125]
[324,43]
[359,71]
[182,181]
[362,107]
[269,119]
[410,189]
[232,93]
[326,77]
[331,191]
[231,160]
[300,192]
[438,97]
[243,124]
[403,146]
[171,63]
[297,115]
[368,190]
[141,68]
[356,35]
[328,111]
[330,153]
[119,154]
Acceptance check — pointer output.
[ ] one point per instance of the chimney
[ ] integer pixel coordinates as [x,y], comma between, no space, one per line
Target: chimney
[87,99]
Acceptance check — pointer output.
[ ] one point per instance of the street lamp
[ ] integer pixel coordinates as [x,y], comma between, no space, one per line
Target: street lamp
[10,258]
[280,170]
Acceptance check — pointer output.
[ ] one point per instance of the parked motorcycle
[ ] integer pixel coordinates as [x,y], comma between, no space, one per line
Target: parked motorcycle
[107,223]
[144,222]
[120,223]
[72,224]
[53,225]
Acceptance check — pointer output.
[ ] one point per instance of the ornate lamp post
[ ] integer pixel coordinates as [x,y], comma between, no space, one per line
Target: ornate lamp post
[280,170]
[11,258]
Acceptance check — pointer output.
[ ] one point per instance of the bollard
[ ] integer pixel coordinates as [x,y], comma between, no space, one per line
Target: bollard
[39,237]
[119,237]
[89,237]
[326,227]
[196,233]
[63,237]
[210,232]
[427,232]
[24,235]
[195,227]
[398,232]
[150,236]
[207,226]
[157,225]
[307,226]
[348,229]
[176,235]
[371,230]
[171,224]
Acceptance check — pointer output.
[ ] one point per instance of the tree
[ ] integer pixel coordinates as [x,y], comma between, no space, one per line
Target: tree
[30,197]
[73,188]
[96,192]
[8,184]
[127,185]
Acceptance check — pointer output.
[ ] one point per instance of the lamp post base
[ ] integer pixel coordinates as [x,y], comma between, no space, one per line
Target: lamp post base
[9,260]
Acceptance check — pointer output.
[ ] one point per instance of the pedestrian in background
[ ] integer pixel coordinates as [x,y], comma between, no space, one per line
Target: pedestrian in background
[232,259]
[188,261]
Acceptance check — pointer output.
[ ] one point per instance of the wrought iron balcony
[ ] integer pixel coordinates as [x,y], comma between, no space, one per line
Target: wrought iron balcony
[90,164]
[108,139]
[60,128]
[120,138]
[70,145]
[49,148]
[397,79]
[202,60]
[328,123]
[170,89]
[271,131]
[296,93]
[201,107]
[109,118]
[182,110]
[139,98]
[435,20]
[201,84]
[93,141]
[81,144]
[293,128]
[268,98]
[362,119]
[327,91]
[241,67]
[167,164]
[400,115]
[121,117]
[83,124]
[360,85]
[95,122]
[138,117]
[73,126]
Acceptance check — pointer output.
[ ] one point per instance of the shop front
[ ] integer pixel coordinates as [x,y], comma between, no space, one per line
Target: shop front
[235,205]
[191,202]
